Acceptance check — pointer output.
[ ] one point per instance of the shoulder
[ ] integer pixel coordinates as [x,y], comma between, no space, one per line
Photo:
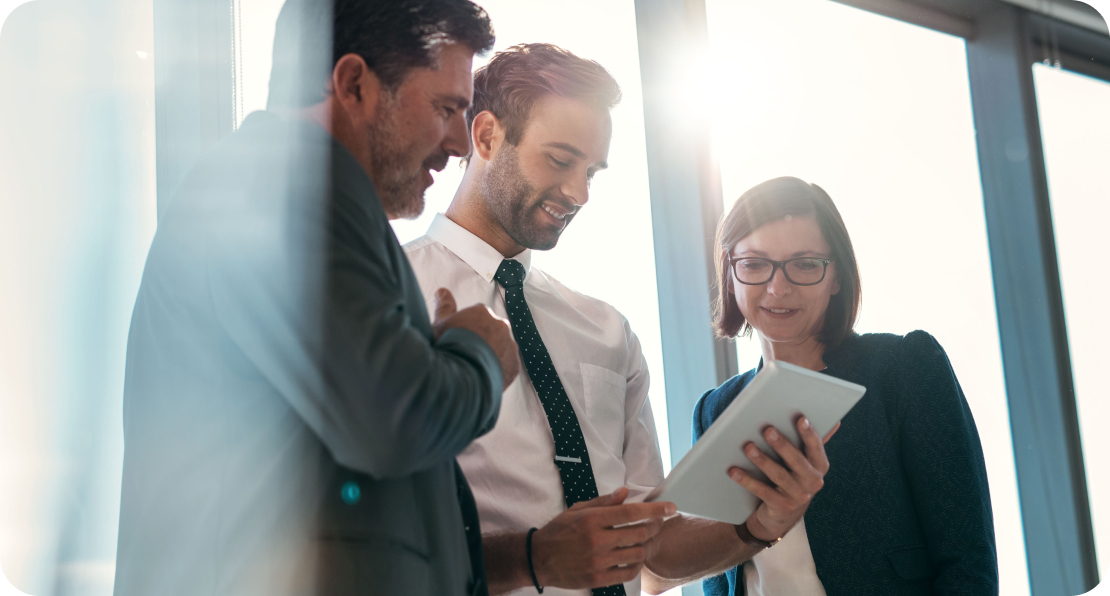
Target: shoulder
[714,401]
[421,245]
[875,352]
[600,312]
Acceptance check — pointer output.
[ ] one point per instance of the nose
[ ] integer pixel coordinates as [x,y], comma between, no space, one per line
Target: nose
[577,189]
[778,286]
[456,142]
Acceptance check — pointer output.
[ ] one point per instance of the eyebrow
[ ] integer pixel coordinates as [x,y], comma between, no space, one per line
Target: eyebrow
[575,151]
[462,102]
[800,253]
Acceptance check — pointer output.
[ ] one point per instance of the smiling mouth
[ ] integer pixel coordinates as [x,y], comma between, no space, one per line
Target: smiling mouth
[779,311]
[553,213]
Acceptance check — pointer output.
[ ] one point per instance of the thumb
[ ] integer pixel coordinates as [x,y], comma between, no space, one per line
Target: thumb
[614,498]
[445,304]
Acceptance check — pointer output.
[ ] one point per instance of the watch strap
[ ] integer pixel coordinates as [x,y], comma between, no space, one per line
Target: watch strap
[746,537]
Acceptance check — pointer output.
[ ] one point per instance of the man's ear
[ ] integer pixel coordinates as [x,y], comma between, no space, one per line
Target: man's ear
[485,134]
[355,87]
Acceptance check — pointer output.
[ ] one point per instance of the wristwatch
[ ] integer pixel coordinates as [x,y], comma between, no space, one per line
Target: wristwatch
[746,536]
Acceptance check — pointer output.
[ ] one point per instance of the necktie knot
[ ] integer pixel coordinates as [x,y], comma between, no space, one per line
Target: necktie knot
[510,273]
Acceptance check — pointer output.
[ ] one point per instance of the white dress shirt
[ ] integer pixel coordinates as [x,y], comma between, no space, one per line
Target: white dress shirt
[512,468]
[787,569]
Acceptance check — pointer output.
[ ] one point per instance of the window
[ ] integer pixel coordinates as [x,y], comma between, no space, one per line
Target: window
[1075,127]
[878,113]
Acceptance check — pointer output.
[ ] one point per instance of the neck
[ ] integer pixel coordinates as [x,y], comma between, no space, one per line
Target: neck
[806,354]
[338,124]
[469,211]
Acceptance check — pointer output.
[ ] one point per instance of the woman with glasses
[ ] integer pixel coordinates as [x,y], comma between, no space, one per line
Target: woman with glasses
[905,507]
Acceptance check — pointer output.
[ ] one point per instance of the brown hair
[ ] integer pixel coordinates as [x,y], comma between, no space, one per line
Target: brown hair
[515,78]
[770,201]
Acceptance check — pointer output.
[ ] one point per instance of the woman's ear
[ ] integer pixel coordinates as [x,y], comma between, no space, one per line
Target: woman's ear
[484,134]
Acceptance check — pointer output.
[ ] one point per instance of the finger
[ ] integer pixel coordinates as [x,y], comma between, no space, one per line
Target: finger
[774,472]
[797,463]
[614,498]
[636,534]
[763,491]
[617,575]
[633,555]
[630,513]
[445,304]
[832,432]
[815,448]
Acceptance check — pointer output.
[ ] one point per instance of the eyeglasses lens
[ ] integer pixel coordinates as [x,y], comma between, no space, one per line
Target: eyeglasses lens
[798,271]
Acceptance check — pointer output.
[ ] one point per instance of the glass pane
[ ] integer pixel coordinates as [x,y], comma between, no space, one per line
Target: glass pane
[878,113]
[1075,126]
[77,214]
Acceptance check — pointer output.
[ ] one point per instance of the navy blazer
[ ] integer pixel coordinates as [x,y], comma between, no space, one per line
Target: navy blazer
[905,509]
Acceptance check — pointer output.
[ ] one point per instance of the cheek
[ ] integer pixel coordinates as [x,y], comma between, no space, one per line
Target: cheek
[745,297]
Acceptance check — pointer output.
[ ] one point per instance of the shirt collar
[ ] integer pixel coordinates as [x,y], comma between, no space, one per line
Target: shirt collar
[474,251]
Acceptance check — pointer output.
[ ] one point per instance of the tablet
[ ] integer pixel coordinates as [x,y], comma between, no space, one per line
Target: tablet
[777,396]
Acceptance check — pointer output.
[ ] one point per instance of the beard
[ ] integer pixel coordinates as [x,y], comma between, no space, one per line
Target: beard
[397,169]
[513,203]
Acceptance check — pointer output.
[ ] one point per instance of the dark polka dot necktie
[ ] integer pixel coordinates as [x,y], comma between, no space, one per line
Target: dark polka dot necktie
[571,456]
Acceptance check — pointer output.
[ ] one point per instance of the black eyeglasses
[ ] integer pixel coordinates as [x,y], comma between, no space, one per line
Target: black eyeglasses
[755,271]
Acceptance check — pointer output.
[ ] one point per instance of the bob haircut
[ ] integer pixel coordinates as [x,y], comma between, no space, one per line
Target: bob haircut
[773,200]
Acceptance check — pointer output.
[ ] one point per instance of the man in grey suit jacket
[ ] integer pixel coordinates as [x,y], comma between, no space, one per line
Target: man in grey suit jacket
[291,414]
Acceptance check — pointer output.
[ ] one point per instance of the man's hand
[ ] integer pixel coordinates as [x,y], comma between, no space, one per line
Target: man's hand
[581,548]
[786,500]
[479,319]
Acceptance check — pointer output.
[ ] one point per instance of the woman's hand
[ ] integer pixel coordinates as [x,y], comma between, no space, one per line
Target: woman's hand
[793,486]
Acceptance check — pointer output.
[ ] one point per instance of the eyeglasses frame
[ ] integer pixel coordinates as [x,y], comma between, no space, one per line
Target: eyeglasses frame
[777,265]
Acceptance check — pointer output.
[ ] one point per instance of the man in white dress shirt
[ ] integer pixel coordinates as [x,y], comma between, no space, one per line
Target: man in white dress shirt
[540,129]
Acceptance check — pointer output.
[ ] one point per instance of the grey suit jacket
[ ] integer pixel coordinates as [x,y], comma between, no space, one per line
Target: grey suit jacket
[290,424]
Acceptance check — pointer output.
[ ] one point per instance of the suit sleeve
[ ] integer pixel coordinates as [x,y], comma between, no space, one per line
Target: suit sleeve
[314,301]
[943,459]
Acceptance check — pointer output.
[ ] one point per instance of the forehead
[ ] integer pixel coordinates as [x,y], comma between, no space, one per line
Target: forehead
[555,119]
[450,75]
[788,235]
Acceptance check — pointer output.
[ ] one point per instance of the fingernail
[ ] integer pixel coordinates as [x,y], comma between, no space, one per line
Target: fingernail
[805,422]
[736,474]
[614,493]
[670,509]
[440,293]
[752,451]
[773,434]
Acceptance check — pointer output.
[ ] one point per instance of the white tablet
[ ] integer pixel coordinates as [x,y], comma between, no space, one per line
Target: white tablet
[778,395]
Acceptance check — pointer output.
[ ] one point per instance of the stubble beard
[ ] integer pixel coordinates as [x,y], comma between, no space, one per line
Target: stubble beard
[508,195]
[396,179]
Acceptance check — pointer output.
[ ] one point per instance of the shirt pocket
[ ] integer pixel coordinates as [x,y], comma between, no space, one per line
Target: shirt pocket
[604,393]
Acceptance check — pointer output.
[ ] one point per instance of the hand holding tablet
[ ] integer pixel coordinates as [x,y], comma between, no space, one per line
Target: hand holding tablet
[700,484]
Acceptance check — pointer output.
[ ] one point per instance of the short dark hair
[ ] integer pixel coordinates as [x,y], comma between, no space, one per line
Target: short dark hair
[515,78]
[392,36]
[770,201]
